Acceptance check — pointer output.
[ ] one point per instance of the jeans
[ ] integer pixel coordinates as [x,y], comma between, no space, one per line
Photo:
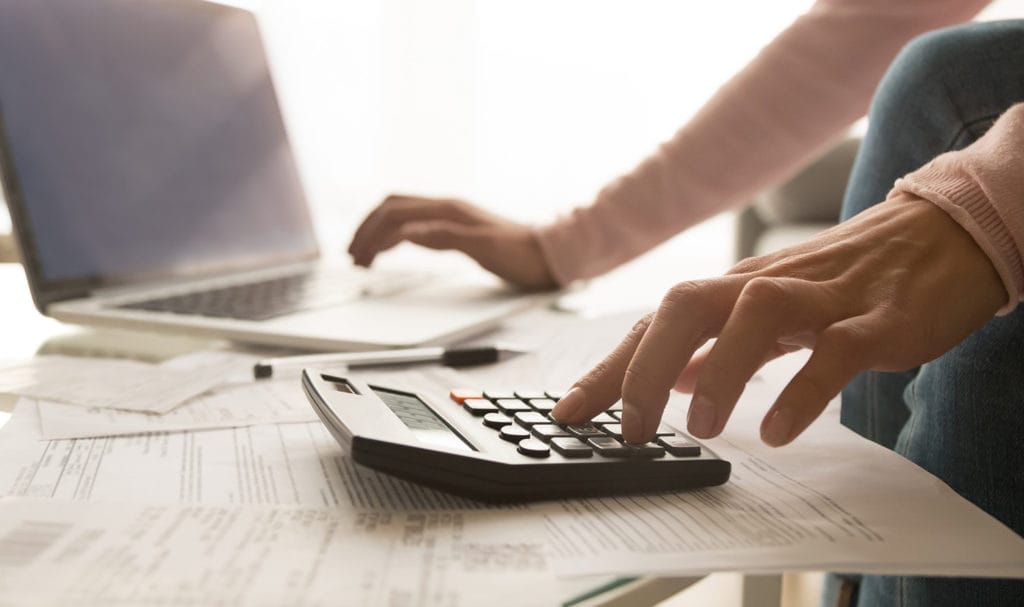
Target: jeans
[960,416]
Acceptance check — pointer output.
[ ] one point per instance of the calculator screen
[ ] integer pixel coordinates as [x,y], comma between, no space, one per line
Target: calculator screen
[426,425]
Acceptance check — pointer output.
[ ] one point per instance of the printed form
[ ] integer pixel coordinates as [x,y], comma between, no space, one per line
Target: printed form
[100,554]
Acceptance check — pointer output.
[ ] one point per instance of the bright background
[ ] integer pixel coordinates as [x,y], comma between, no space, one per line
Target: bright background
[524,107]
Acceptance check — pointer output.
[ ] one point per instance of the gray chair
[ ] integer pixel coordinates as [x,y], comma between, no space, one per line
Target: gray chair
[799,208]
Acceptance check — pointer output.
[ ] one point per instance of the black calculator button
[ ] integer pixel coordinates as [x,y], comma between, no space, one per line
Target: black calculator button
[479,406]
[528,419]
[680,446]
[613,429]
[609,446]
[585,431]
[513,433]
[546,432]
[664,430]
[542,404]
[498,394]
[530,394]
[497,420]
[512,405]
[570,447]
[533,448]
[604,418]
[647,450]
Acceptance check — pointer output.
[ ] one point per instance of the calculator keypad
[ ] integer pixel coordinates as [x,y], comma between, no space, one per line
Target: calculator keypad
[523,417]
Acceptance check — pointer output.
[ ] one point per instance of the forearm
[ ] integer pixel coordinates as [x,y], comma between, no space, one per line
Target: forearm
[795,97]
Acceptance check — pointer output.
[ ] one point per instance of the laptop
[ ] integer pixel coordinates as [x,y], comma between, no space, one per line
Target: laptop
[151,186]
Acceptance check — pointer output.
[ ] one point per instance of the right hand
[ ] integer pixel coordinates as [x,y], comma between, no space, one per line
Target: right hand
[508,249]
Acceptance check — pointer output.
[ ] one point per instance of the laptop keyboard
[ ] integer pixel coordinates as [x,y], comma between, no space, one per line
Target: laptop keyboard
[281,296]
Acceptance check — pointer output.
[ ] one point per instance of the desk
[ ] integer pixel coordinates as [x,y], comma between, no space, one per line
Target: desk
[26,331]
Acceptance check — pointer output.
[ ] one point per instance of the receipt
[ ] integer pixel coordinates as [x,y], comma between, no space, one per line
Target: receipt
[115,384]
[265,402]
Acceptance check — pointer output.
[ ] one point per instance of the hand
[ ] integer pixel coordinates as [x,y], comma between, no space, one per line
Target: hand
[509,250]
[896,286]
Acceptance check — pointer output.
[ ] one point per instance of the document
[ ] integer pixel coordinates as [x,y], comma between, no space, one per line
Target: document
[118,384]
[56,553]
[291,464]
[830,501]
[264,402]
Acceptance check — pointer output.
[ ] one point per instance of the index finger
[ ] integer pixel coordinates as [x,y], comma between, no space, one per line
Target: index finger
[689,315]
[601,387]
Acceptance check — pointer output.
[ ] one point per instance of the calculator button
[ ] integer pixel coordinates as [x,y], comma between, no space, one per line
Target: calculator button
[542,404]
[460,395]
[554,395]
[680,446]
[604,418]
[479,406]
[616,407]
[613,429]
[497,394]
[609,446]
[616,414]
[513,433]
[533,448]
[571,447]
[512,405]
[530,394]
[497,420]
[527,419]
[664,430]
[585,431]
[546,432]
[647,450]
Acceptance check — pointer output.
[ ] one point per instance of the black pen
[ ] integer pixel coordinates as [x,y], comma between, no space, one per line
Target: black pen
[450,357]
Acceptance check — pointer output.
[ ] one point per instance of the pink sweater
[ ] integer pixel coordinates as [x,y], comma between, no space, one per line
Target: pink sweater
[799,94]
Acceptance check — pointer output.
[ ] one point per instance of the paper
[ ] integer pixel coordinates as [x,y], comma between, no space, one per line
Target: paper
[265,402]
[118,384]
[55,553]
[290,464]
[830,501]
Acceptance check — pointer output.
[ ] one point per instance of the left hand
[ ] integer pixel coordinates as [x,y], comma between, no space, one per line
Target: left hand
[894,287]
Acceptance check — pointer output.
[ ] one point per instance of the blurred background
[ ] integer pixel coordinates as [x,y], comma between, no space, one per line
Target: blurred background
[527,108]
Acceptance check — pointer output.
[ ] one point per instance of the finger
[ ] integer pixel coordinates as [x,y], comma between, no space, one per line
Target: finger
[842,351]
[379,230]
[688,378]
[689,315]
[767,311]
[601,387]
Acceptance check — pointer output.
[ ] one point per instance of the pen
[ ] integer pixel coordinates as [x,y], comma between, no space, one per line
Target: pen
[450,357]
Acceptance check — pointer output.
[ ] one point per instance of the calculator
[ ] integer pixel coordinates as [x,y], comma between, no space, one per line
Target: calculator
[502,446]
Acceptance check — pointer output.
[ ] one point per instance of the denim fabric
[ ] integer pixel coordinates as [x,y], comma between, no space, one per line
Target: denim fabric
[961,416]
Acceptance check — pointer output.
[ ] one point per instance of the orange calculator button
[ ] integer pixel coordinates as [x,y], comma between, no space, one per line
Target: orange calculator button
[460,395]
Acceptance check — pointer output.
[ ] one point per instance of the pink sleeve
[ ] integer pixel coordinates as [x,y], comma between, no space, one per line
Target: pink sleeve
[797,95]
[982,188]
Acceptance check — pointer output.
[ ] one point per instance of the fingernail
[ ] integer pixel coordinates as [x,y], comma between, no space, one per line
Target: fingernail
[632,426]
[778,428]
[700,421]
[569,405]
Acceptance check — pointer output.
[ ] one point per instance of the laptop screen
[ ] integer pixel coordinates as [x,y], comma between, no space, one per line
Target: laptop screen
[141,139]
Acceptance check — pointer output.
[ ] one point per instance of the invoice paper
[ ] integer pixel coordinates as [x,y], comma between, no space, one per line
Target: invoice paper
[56,553]
[830,501]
